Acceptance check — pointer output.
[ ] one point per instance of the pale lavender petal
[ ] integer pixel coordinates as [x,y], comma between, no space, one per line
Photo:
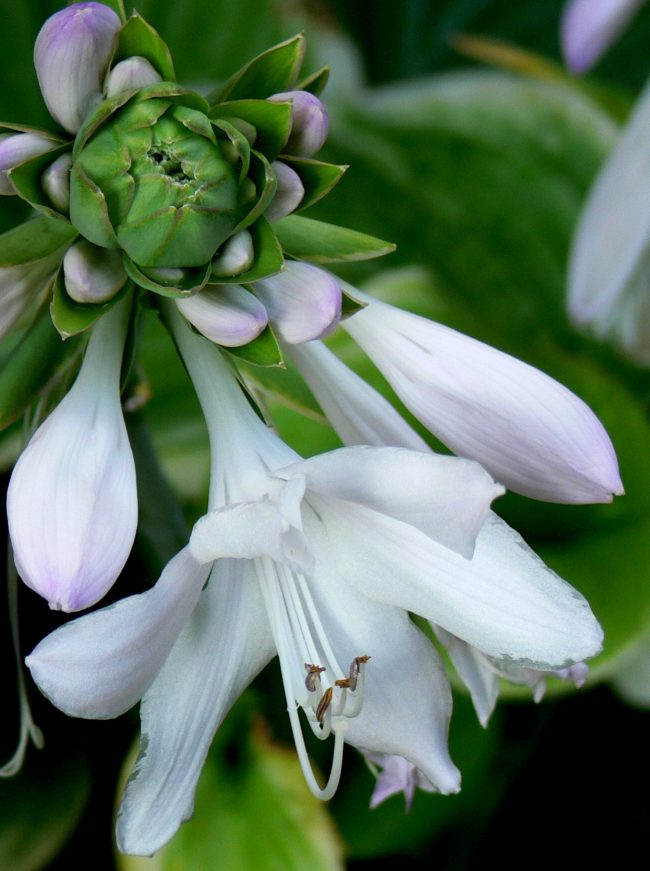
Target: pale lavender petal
[589,27]
[56,182]
[134,72]
[227,314]
[288,195]
[15,150]
[91,273]
[309,122]
[397,775]
[71,54]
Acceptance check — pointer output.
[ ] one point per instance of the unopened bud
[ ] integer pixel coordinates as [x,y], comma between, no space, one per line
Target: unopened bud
[56,182]
[92,274]
[309,122]
[15,150]
[236,255]
[288,195]
[225,313]
[134,72]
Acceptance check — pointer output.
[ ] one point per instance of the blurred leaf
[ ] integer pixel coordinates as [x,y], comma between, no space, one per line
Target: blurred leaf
[34,239]
[253,811]
[39,809]
[271,120]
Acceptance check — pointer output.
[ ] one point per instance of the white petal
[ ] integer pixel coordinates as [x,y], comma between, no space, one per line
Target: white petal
[303,302]
[134,72]
[72,500]
[91,273]
[447,498]
[225,313]
[56,182]
[406,697]
[531,433]
[472,668]
[223,647]
[359,414]
[71,54]
[504,601]
[236,255]
[15,150]
[590,26]
[99,665]
[608,273]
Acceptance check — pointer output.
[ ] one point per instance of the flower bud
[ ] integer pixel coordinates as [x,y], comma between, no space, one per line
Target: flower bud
[236,255]
[56,182]
[225,313]
[71,54]
[590,26]
[134,72]
[309,122]
[303,302]
[288,195]
[92,274]
[72,500]
[15,150]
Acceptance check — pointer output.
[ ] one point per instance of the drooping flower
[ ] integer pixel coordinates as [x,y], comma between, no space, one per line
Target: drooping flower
[589,27]
[72,501]
[344,545]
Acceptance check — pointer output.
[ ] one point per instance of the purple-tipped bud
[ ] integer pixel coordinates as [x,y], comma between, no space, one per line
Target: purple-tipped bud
[71,55]
[91,273]
[289,193]
[309,122]
[303,302]
[235,256]
[56,182]
[589,27]
[225,313]
[134,72]
[15,150]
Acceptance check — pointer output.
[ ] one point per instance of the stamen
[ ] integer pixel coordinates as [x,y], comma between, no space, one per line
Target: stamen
[355,670]
[324,704]
[313,676]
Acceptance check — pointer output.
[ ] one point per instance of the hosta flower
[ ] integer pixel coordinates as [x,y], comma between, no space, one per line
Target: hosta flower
[589,27]
[318,561]
[531,433]
[610,256]
[72,502]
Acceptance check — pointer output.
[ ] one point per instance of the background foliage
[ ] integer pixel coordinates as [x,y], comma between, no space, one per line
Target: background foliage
[478,175]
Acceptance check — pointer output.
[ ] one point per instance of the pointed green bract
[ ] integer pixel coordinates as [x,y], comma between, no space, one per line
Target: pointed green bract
[262,351]
[35,239]
[272,121]
[271,72]
[266,184]
[88,209]
[139,39]
[318,242]
[318,178]
[314,83]
[70,317]
[191,282]
[29,367]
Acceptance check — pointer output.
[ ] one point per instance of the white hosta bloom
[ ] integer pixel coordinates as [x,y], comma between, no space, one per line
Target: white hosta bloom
[72,501]
[589,27]
[303,302]
[71,55]
[531,433]
[318,561]
[227,314]
[609,272]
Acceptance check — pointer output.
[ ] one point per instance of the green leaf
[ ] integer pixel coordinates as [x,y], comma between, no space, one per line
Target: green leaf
[268,256]
[26,178]
[262,351]
[318,178]
[266,184]
[271,72]
[233,828]
[25,128]
[29,367]
[97,117]
[240,142]
[175,94]
[88,209]
[319,242]
[271,120]
[70,317]
[35,239]
[139,39]
[314,83]
[194,279]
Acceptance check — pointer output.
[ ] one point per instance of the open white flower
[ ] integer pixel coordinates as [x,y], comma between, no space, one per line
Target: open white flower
[72,499]
[318,560]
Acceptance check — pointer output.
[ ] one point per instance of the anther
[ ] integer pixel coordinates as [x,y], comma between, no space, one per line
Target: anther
[324,704]
[355,669]
[313,676]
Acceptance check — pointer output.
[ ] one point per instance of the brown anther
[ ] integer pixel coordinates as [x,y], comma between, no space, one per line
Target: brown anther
[355,668]
[343,682]
[313,673]
[324,704]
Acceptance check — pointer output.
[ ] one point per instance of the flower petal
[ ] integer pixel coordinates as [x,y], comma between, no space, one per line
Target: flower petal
[359,414]
[309,122]
[303,302]
[608,285]
[531,433]
[223,647]
[447,498]
[71,55]
[15,150]
[133,72]
[225,313]
[21,285]
[92,274]
[482,682]
[288,195]
[589,27]
[504,601]
[100,665]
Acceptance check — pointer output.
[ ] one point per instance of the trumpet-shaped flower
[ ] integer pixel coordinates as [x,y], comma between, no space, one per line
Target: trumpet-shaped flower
[589,27]
[610,256]
[72,501]
[531,433]
[318,561]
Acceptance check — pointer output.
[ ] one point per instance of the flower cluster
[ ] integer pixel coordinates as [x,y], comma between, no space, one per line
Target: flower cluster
[188,201]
